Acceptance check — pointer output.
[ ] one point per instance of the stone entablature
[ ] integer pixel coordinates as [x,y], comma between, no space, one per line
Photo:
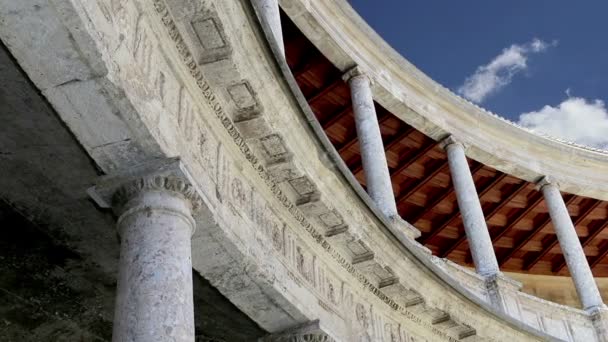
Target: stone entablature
[280,231]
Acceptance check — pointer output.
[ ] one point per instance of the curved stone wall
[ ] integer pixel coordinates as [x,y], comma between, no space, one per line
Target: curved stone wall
[284,232]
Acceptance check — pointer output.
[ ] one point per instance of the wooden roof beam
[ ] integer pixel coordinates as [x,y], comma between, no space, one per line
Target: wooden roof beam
[325,90]
[553,241]
[537,198]
[499,177]
[603,253]
[356,165]
[389,144]
[530,234]
[335,117]
[407,193]
[397,138]
[561,262]
[438,199]
[409,160]
[519,188]
[308,63]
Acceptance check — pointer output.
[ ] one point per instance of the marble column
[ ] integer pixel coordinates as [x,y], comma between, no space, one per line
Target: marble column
[377,175]
[570,244]
[269,12]
[473,219]
[154,299]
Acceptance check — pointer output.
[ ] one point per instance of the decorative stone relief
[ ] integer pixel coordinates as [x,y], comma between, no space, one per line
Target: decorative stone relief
[274,149]
[157,175]
[203,30]
[245,100]
[304,187]
[310,332]
[157,183]
[333,222]
[248,115]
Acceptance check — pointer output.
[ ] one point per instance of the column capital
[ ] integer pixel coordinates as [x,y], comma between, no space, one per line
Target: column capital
[308,332]
[114,191]
[356,71]
[544,181]
[451,140]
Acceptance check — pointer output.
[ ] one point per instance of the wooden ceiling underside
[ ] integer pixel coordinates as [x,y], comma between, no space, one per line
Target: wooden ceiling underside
[516,214]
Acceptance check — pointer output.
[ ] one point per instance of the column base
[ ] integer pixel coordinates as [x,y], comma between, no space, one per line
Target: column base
[404,226]
[599,318]
[497,287]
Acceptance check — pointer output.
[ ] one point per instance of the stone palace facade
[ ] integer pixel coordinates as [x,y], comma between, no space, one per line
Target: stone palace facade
[164,177]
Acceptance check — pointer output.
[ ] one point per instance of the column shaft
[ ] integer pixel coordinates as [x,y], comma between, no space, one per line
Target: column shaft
[574,255]
[473,219]
[377,175]
[270,13]
[154,296]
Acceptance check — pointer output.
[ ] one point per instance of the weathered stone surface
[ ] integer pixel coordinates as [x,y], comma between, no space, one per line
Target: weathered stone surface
[377,176]
[473,218]
[254,243]
[154,300]
[569,242]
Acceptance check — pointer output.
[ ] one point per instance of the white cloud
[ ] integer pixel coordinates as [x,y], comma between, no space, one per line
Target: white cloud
[575,119]
[495,75]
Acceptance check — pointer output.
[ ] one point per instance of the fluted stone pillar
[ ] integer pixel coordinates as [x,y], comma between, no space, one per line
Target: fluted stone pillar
[269,13]
[154,299]
[572,249]
[473,219]
[377,175]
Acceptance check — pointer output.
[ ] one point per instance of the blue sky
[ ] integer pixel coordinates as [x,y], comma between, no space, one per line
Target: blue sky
[543,52]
